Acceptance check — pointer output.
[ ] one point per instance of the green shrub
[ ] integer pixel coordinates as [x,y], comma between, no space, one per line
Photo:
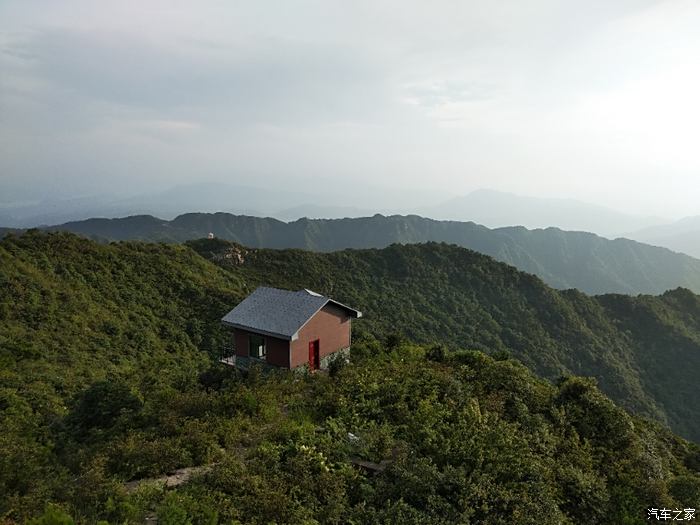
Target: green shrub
[53,515]
[101,406]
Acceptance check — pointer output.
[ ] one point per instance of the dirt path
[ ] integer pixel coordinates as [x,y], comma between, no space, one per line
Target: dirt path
[172,480]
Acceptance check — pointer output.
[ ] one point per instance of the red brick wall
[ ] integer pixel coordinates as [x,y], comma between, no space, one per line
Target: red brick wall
[277,349]
[331,326]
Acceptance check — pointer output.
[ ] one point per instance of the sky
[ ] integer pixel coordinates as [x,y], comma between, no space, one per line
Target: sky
[596,101]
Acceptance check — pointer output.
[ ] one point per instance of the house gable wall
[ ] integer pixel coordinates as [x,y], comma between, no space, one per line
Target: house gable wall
[331,326]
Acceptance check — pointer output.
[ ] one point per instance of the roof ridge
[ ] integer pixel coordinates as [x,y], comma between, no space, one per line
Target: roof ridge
[311,292]
[279,312]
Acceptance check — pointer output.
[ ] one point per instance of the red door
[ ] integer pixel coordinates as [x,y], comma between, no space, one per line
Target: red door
[314,357]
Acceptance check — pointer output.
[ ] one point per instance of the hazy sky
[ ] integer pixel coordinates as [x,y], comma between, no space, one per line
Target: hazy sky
[596,100]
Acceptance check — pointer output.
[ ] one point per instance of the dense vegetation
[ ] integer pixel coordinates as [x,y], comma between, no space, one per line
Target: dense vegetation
[562,259]
[108,376]
[645,351]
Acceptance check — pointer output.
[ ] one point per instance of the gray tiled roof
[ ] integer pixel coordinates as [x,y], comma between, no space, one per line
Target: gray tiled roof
[280,313]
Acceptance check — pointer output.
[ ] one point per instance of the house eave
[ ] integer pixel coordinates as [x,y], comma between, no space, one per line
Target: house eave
[285,337]
[351,311]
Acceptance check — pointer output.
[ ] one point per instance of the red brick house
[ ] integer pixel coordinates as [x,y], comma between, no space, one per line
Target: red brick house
[288,329]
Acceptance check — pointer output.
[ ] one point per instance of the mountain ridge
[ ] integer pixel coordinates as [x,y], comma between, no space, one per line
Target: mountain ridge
[682,236]
[563,259]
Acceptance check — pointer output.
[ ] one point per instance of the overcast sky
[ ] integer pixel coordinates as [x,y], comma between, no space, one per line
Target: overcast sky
[597,100]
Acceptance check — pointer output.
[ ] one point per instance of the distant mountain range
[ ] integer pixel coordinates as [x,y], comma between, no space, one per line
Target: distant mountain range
[275,202]
[562,259]
[682,236]
[488,207]
[498,209]
[166,203]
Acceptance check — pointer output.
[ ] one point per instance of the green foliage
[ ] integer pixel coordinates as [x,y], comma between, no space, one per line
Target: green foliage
[642,350]
[436,353]
[687,490]
[86,332]
[53,515]
[563,259]
[100,406]
[336,364]
[109,376]
[455,450]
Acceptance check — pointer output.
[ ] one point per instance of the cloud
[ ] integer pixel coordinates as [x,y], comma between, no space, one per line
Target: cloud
[546,97]
[268,81]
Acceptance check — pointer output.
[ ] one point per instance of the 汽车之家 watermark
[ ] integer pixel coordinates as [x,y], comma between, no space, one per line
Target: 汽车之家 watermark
[671,514]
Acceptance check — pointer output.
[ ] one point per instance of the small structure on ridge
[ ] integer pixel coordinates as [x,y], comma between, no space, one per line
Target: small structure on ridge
[288,329]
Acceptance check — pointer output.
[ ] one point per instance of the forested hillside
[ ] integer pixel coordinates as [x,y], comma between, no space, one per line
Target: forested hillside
[7,231]
[108,376]
[645,351]
[562,259]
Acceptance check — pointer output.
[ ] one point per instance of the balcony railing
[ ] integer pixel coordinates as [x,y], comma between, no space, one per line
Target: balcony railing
[243,362]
